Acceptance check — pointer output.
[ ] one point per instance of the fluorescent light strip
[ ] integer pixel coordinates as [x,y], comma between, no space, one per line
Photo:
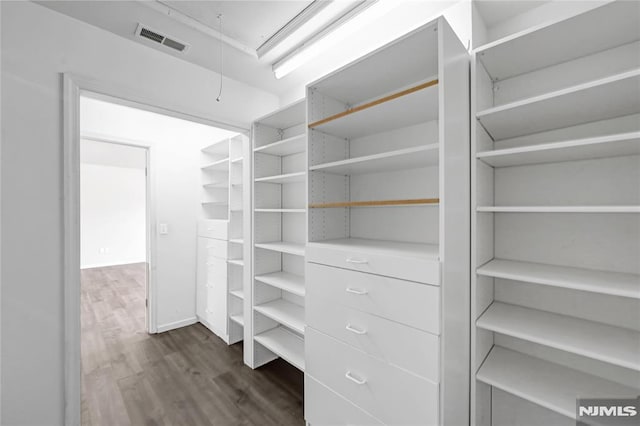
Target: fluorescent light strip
[332,35]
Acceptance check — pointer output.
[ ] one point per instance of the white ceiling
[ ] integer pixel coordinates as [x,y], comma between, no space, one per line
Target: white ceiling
[249,23]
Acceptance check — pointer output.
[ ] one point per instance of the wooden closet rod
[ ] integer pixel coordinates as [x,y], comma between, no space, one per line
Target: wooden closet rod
[374,103]
[375,203]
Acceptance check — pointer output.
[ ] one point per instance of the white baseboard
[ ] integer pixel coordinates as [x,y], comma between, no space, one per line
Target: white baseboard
[176,324]
[104,265]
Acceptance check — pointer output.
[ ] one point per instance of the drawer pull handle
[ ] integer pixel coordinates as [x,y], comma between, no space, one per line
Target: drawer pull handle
[355,330]
[356,291]
[354,379]
[357,261]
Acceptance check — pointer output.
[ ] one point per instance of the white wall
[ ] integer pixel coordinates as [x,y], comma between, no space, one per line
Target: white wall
[113,215]
[37,46]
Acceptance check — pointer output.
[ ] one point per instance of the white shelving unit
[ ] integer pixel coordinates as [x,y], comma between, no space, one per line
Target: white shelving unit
[279,237]
[556,224]
[222,276]
[388,186]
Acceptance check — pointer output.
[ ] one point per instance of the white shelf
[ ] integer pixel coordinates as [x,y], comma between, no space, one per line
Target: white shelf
[286,281]
[214,203]
[285,178]
[238,318]
[560,209]
[611,283]
[402,159]
[574,150]
[547,384]
[292,145]
[417,107]
[217,165]
[286,313]
[563,108]
[283,247]
[237,293]
[237,262]
[280,210]
[393,248]
[236,240]
[285,344]
[237,160]
[520,53]
[216,185]
[615,345]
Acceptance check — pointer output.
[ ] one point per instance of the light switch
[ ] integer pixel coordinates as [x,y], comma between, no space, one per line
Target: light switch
[163,229]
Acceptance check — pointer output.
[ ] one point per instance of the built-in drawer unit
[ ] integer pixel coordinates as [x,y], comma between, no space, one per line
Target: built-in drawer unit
[213,228]
[405,347]
[390,394]
[354,254]
[317,398]
[406,302]
[216,248]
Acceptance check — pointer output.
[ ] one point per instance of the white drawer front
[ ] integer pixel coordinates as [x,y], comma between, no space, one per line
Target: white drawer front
[410,303]
[216,248]
[407,268]
[388,393]
[212,228]
[323,407]
[216,269]
[397,344]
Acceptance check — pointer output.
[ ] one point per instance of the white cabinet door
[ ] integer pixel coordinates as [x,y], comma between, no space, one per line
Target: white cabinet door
[201,279]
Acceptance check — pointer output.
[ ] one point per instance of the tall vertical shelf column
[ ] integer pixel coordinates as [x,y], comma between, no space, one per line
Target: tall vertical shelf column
[387,301]
[221,273]
[279,237]
[555,228]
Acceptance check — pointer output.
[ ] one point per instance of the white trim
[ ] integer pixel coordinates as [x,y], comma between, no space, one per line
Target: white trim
[72,87]
[107,265]
[176,324]
[150,206]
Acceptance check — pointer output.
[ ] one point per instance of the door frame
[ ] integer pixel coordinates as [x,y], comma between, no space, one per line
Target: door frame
[73,86]
[151,322]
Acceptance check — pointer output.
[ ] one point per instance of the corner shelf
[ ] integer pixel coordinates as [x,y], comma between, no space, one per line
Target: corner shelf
[237,293]
[284,178]
[292,145]
[552,386]
[283,247]
[286,281]
[615,345]
[402,159]
[285,344]
[575,105]
[410,106]
[283,312]
[217,165]
[617,145]
[604,282]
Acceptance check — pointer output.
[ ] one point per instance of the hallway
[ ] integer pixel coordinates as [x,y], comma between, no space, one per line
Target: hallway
[182,377]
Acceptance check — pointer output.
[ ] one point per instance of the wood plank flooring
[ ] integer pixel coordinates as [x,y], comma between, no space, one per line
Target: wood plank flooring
[186,376]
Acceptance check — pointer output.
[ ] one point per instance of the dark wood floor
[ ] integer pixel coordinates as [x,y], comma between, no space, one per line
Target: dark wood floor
[182,377]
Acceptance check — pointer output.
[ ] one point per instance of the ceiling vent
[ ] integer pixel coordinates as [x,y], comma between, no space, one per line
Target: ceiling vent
[147,33]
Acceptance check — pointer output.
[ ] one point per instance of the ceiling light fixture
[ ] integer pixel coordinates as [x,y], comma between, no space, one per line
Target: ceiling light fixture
[331,35]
